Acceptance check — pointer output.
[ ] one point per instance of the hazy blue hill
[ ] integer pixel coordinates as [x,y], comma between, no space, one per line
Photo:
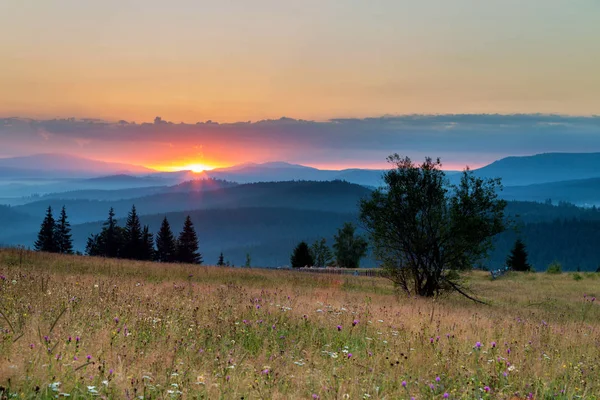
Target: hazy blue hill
[579,191]
[324,196]
[543,168]
[64,165]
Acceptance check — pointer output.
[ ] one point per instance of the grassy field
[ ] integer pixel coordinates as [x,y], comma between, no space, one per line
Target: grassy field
[82,327]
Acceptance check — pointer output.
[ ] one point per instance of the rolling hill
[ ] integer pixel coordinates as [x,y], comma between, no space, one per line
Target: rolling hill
[543,168]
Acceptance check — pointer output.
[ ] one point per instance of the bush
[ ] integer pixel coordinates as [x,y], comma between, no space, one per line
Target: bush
[554,268]
[577,276]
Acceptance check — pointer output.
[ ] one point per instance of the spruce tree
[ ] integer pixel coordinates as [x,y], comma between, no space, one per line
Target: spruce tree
[517,260]
[187,244]
[132,240]
[62,234]
[46,240]
[221,262]
[93,246]
[166,249]
[147,251]
[110,241]
[301,256]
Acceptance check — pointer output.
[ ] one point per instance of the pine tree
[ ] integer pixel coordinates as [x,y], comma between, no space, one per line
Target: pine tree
[248,261]
[166,249]
[46,240]
[187,244]
[147,252]
[221,262]
[301,256]
[110,241]
[93,246]
[132,240]
[62,234]
[517,260]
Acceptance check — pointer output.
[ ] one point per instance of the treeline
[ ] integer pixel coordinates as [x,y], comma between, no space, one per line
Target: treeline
[575,243]
[348,249]
[136,242]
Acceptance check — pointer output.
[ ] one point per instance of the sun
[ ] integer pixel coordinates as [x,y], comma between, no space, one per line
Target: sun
[197,167]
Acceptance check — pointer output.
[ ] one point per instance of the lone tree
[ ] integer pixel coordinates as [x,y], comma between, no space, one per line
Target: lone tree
[62,234]
[348,247]
[166,248]
[301,256]
[517,260]
[425,230]
[321,253]
[187,244]
[46,240]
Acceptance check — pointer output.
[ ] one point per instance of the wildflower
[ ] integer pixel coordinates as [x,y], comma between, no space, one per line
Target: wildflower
[75,358]
[355,322]
[77,339]
[593,299]
[339,327]
[110,371]
[403,384]
[493,345]
[486,389]
[349,355]
[265,371]
[116,320]
[31,346]
[258,306]
[478,345]
[446,395]
[315,396]
[227,378]
[437,379]
[89,357]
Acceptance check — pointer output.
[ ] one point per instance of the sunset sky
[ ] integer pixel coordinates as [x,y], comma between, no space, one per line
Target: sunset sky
[319,60]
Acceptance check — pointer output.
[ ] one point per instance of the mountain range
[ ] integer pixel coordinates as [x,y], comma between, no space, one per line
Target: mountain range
[265,209]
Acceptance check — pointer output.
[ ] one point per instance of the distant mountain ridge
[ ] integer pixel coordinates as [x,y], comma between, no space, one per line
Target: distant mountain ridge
[65,165]
[543,168]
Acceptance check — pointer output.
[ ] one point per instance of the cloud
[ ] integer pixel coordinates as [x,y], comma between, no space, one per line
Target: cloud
[475,138]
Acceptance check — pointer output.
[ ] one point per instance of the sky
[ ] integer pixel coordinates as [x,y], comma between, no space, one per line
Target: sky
[316,60]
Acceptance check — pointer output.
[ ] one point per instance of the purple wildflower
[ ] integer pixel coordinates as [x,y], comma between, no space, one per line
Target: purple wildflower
[339,327]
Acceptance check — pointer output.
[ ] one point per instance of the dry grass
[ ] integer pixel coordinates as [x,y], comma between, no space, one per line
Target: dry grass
[174,331]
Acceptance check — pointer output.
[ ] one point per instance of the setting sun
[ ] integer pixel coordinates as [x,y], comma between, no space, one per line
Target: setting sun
[197,167]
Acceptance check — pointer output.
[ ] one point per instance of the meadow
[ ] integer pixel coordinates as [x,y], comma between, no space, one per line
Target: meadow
[81,327]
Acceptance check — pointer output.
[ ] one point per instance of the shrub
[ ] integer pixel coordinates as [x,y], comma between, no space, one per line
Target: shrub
[577,277]
[554,268]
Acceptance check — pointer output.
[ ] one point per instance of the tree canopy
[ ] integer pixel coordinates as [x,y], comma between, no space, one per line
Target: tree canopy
[425,230]
[301,256]
[348,247]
